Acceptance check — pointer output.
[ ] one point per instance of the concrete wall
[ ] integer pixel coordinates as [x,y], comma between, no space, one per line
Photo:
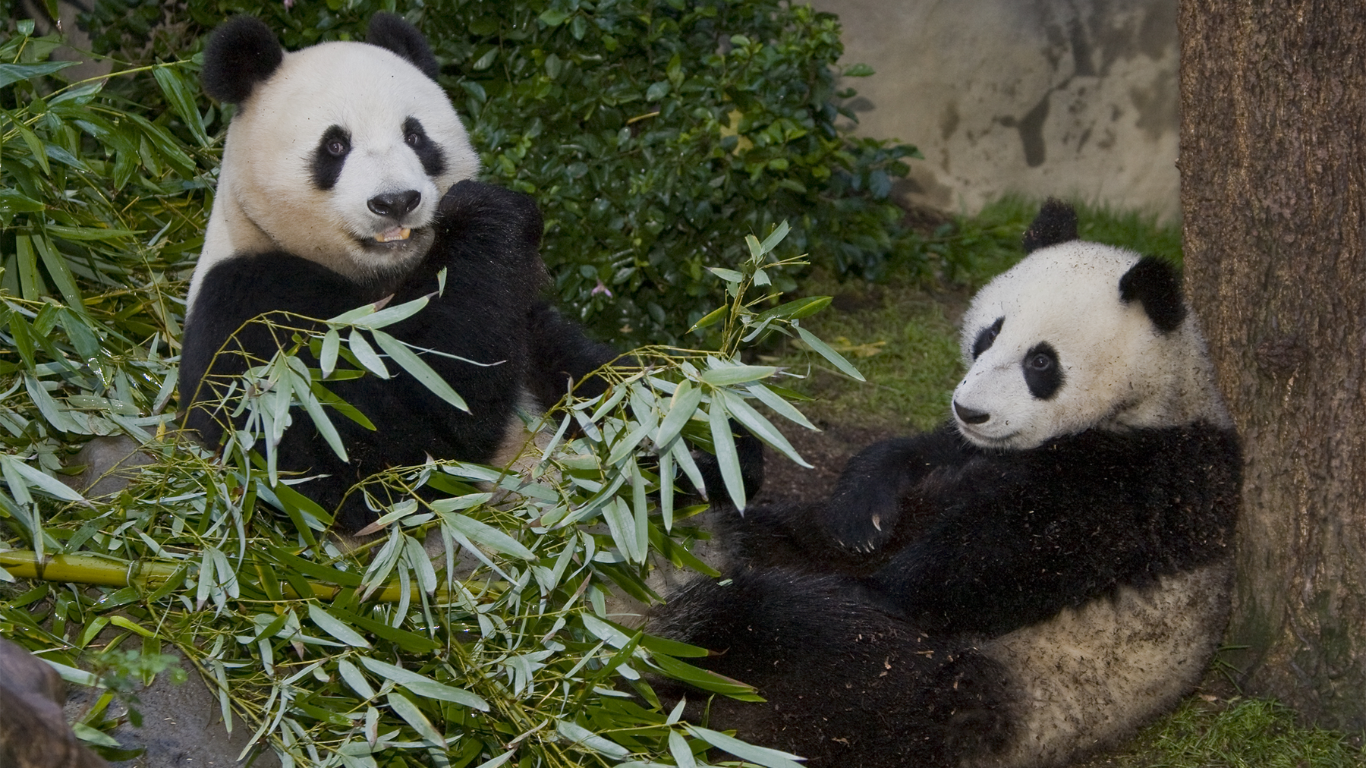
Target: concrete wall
[1046,97]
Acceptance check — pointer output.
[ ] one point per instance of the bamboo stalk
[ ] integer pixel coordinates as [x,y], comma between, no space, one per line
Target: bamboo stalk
[104,572]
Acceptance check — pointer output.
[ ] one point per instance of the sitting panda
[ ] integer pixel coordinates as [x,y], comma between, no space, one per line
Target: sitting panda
[346,180]
[1036,579]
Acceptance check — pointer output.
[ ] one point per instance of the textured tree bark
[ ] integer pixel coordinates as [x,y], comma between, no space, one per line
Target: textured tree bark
[1273,197]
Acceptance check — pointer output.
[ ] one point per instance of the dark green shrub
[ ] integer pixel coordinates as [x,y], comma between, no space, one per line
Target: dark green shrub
[654,135]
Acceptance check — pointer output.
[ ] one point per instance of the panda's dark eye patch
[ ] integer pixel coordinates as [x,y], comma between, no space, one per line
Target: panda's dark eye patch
[428,152]
[330,157]
[1042,371]
[987,337]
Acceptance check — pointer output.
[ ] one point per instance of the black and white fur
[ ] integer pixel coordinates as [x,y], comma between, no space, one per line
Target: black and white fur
[1036,579]
[346,180]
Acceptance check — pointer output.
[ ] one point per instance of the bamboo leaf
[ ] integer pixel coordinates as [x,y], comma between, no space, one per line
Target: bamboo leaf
[730,375]
[354,678]
[390,315]
[430,689]
[579,735]
[410,362]
[769,758]
[711,318]
[826,352]
[487,535]
[366,354]
[682,754]
[761,428]
[727,460]
[336,628]
[406,709]
[684,404]
[182,99]
[780,406]
[13,73]
[327,361]
[40,480]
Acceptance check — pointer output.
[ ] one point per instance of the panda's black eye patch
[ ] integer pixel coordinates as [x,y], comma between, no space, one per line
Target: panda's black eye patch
[1042,371]
[428,152]
[330,157]
[987,337]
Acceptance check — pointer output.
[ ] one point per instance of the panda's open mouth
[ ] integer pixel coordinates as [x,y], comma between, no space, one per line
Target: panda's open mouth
[393,235]
[400,242]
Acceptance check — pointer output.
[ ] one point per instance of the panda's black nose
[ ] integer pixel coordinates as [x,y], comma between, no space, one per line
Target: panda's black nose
[395,204]
[969,415]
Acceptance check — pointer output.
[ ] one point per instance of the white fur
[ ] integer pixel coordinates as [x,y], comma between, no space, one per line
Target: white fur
[266,198]
[1119,371]
[1091,676]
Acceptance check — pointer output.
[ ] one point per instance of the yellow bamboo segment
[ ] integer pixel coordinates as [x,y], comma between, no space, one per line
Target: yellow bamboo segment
[100,571]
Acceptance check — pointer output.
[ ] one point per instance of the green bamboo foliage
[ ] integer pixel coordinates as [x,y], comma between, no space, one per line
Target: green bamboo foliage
[473,627]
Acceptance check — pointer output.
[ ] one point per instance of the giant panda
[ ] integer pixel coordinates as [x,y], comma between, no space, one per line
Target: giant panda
[1034,580]
[347,179]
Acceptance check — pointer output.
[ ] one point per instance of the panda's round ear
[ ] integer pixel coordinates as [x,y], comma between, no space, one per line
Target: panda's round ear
[1056,223]
[393,33]
[1155,283]
[241,53]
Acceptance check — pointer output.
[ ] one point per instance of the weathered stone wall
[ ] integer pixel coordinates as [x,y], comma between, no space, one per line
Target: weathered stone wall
[1047,97]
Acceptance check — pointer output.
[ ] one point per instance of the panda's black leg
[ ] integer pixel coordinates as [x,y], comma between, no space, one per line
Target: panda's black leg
[562,356]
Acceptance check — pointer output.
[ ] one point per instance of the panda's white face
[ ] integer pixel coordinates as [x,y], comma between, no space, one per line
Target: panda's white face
[341,157]
[1052,349]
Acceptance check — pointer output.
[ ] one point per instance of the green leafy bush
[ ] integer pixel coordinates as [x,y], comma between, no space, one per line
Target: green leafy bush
[654,135]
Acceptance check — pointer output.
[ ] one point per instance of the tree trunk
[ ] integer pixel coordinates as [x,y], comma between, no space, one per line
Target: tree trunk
[1273,196]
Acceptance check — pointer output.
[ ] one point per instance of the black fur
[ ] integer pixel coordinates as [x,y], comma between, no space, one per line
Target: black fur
[986,337]
[849,682]
[428,151]
[241,53]
[330,157]
[1055,224]
[861,636]
[1156,285]
[487,238]
[1042,371]
[390,31]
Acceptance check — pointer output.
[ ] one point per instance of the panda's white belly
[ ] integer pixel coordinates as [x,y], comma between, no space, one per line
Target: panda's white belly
[1090,676]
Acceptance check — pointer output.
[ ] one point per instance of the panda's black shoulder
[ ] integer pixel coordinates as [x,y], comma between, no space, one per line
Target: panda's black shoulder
[246,285]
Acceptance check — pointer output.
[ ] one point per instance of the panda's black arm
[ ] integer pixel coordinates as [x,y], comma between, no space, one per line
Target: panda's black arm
[860,525]
[221,344]
[1025,534]
[486,237]
[562,356]
[864,513]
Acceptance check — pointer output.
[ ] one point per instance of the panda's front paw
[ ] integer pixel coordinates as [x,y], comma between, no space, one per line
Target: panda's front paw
[471,207]
[861,519]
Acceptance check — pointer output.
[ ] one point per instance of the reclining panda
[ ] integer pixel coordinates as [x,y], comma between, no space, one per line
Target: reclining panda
[1036,579]
[346,180]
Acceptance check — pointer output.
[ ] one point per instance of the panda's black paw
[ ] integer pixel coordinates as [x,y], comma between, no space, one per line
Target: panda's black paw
[861,518]
[486,213]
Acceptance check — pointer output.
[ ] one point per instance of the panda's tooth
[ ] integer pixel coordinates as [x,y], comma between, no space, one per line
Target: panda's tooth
[391,235]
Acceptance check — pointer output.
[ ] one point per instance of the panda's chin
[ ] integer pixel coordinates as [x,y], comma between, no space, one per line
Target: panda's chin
[1007,442]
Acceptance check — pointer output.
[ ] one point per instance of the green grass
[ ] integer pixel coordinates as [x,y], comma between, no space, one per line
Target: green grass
[1241,733]
[902,341]
[974,249]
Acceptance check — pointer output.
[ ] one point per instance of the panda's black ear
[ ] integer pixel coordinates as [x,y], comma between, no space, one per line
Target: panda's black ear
[1056,223]
[392,32]
[241,52]
[1155,283]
